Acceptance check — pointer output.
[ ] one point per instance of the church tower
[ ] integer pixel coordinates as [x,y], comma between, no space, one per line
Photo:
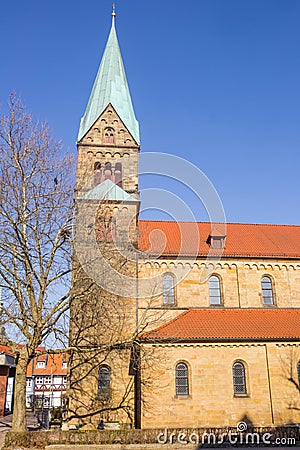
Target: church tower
[103,321]
[108,139]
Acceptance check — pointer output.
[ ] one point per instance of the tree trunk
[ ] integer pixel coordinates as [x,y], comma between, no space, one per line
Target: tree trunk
[19,413]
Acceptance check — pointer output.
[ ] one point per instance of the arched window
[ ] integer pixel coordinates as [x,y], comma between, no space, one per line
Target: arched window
[214,290]
[168,289]
[118,174]
[239,378]
[105,229]
[104,381]
[97,173]
[267,291]
[109,136]
[182,379]
[107,171]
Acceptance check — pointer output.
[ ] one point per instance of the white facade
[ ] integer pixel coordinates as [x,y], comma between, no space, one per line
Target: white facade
[49,388]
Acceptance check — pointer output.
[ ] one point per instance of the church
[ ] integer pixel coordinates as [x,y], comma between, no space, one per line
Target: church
[198,329]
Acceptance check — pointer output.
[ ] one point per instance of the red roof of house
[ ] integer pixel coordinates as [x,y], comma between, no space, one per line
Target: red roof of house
[230,324]
[54,364]
[6,349]
[242,240]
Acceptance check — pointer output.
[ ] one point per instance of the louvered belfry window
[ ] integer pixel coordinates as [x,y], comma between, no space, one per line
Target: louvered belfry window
[182,379]
[239,378]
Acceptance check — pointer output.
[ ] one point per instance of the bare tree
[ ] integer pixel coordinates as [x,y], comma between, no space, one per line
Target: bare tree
[36,189]
[289,360]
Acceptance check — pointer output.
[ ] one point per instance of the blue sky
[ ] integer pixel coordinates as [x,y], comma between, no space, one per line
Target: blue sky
[213,81]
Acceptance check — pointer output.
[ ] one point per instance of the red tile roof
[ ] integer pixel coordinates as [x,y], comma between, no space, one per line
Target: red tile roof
[242,240]
[53,366]
[6,349]
[230,324]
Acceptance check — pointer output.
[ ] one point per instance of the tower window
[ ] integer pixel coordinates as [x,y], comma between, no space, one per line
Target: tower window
[107,171]
[168,289]
[97,173]
[105,229]
[104,381]
[267,291]
[109,136]
[239,378]
[182,379]
[118,174]
[214,290]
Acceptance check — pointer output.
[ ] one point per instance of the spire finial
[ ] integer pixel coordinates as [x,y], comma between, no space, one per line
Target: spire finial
[113,10]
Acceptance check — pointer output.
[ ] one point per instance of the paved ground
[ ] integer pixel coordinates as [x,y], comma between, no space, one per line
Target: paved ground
[5,425]
[147,447]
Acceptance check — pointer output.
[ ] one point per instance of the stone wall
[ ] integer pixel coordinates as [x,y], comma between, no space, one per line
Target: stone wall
[93,149]
[240,282]
[272,396]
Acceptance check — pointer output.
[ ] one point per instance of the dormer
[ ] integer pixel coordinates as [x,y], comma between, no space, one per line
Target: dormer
[41,361]
[216,239]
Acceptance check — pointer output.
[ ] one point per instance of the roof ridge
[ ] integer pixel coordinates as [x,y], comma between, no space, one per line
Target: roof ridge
[254,308]
[222,223]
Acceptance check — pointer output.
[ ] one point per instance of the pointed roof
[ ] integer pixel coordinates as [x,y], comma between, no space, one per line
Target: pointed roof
[107,190]
[110,86]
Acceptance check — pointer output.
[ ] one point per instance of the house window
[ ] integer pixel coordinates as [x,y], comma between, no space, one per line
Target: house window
[168,289]
[104,381]
[47,380]
[41,364]
[267,291]
[64,380]
[46,402]
[28,382]
[39,380]
[214,290]
[64,365]
[182,379]
[239,378]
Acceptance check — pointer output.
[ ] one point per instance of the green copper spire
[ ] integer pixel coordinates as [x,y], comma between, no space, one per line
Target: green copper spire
[110,86]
